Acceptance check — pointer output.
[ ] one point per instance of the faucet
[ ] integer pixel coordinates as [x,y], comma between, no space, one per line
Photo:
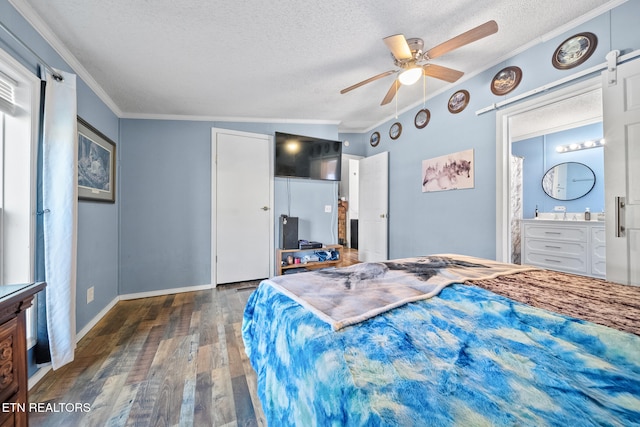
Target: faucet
[561,209]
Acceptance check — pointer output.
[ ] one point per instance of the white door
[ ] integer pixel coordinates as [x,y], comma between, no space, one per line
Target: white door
[242,197]
[621,101]
[374,207]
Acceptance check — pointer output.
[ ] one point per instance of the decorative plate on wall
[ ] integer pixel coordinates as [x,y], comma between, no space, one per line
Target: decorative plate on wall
[574,51]
[458,101]
[422,118]
[374,140]
[395,130]
[506,80]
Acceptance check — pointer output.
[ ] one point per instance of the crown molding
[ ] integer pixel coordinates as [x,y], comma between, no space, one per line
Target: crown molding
[141,116]
[49,36]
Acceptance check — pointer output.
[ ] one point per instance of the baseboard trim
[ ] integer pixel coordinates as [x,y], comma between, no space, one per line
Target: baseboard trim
[38,375]
[166,292]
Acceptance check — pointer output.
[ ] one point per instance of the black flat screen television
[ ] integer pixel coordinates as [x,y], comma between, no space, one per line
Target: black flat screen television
[300,156]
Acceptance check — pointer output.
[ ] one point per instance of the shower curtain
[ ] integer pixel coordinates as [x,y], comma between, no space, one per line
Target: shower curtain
[516,207]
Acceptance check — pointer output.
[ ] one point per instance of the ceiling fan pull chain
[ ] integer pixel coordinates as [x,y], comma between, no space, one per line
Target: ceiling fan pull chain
[397,99]
[424,91]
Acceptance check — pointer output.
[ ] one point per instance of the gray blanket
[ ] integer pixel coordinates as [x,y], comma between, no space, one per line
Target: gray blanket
[346,296]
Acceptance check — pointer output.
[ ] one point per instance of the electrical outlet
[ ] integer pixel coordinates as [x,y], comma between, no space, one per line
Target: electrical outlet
[89,295]
[327,208]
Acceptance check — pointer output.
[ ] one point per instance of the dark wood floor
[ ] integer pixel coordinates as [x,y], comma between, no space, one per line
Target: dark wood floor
[167,360]
[161,361]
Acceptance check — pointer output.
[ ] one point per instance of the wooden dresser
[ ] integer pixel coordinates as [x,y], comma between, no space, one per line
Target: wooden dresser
[14,300]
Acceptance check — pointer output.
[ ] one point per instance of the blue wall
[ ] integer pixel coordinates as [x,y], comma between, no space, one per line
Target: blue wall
[165,223]
[540,154]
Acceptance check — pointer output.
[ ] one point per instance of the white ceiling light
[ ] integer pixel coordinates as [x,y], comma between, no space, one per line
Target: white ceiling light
[580,145]
[410,76]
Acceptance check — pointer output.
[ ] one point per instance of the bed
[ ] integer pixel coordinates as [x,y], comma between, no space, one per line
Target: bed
[444,340]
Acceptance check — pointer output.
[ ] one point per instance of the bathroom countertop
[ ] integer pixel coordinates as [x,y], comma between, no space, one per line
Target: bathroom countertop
[562,221]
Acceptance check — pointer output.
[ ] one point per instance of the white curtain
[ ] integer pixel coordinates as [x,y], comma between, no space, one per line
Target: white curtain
[60,202]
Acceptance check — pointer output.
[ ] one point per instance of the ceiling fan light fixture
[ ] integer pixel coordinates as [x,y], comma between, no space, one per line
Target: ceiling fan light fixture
[410,76]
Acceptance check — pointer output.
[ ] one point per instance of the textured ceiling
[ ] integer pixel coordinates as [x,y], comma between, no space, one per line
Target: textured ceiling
[285,60]
[566,114]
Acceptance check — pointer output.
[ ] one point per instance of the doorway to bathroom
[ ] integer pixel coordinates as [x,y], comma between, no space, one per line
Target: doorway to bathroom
[531,133]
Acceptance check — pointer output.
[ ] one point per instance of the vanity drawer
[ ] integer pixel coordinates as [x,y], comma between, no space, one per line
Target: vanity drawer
[572,246]
[573,233]
[571,264]
[556,247]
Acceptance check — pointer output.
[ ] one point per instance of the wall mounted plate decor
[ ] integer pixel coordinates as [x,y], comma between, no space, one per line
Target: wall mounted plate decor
[96,165]
[374,140]
[395,130]
[506,80]
[458,101]
[574,51]
[422,118]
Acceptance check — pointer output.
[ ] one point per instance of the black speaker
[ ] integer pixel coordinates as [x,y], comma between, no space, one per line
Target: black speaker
[354,234]
[288,232]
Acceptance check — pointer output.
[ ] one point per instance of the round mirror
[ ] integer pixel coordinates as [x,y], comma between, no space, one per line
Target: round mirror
[568,181]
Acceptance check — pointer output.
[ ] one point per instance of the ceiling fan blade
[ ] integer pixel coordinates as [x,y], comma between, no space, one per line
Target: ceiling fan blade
[369,80]
[391,93]
[398,46]
[443,73]
[481,31]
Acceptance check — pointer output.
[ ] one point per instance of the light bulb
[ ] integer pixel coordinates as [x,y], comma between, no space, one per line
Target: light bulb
[410,76]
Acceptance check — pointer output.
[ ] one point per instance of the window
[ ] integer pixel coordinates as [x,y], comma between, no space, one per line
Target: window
[19,102]
[7,94]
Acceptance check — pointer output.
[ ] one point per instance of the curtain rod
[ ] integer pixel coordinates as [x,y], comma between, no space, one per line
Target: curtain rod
[56,75]
[556,83]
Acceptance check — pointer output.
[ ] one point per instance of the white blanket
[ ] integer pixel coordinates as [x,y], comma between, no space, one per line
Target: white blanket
[346,296]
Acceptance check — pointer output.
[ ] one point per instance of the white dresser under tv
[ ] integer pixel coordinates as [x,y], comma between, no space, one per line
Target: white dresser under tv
[570,246]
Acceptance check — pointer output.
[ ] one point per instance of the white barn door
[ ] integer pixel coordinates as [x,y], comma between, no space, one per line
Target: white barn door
[242,193]
[621,99]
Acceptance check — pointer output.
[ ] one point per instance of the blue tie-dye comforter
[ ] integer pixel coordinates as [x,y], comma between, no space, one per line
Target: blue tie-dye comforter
[467,357]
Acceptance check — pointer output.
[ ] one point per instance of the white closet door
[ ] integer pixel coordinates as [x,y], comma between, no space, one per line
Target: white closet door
[242,192]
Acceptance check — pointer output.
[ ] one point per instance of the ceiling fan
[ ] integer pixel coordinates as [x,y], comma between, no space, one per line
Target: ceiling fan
[413,62]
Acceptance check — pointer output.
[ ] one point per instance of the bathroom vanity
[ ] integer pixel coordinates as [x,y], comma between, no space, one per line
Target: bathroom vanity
[573,246]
